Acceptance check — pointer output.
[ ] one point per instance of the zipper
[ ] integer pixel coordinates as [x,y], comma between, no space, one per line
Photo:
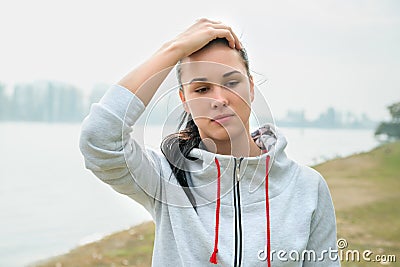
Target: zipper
[238,215]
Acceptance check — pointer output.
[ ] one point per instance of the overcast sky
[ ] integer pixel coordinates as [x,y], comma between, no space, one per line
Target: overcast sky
[315,54]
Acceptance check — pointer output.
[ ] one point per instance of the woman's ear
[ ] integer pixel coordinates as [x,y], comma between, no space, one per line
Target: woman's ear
[182,97]
[251,88]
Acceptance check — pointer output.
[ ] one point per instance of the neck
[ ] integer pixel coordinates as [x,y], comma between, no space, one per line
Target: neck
[242,146]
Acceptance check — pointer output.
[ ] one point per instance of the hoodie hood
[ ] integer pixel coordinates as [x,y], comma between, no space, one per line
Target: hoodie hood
[251,169]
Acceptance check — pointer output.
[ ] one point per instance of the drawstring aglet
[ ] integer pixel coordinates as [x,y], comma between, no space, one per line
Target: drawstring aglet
[213,258]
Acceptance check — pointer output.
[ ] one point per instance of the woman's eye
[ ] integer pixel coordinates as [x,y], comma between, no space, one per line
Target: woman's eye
[231,84]
[201,89]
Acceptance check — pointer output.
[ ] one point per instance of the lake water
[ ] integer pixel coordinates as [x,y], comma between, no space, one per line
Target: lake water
[49,203]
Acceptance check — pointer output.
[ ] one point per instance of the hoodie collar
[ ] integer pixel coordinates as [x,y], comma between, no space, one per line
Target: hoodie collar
[267,138]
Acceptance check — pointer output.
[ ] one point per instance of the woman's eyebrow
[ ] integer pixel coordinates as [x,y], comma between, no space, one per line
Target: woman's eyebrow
[198,80]
[230,73]
[205,79]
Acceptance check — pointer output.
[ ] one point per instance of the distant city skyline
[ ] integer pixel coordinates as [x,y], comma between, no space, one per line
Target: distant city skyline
[314,54]
[50,101]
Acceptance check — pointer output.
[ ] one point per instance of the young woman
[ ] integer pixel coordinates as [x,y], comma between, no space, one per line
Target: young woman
[218,194]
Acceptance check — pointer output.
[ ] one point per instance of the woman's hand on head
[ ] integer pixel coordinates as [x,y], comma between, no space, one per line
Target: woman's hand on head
[144,80]
[201,33]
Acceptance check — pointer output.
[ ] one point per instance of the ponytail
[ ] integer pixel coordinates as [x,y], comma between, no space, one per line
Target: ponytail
[176,148]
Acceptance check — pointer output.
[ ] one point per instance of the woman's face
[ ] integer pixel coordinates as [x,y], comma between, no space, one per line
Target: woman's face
[217,92]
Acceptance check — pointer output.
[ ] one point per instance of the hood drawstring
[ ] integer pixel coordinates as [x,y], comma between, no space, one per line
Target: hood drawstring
[213,258]
[268,237]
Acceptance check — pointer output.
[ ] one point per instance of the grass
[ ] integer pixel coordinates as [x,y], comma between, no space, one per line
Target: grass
[366,193]
[132,247]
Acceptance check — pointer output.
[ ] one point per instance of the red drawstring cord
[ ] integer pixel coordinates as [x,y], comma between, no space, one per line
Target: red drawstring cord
[268,244]
[213,258]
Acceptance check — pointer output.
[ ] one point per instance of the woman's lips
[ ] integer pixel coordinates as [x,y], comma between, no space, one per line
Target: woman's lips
[222,118]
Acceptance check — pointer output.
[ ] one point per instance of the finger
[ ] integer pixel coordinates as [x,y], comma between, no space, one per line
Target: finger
[237,43]
[208,20]
[224,33]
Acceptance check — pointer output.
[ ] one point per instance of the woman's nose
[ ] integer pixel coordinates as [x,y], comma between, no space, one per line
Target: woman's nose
[219,97]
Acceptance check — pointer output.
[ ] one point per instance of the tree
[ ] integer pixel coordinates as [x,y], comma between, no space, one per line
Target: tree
[391,129]
[395,111]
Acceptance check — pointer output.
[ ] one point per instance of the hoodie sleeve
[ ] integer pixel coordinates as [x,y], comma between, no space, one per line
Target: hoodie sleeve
[112,154]
[322,238]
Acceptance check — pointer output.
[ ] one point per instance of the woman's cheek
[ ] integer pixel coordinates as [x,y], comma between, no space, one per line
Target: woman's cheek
[198,108]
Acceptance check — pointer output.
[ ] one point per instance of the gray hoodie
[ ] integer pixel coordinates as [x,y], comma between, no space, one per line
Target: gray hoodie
[246,208]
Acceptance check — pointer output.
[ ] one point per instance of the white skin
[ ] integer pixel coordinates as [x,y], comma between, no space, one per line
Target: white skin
[228,136]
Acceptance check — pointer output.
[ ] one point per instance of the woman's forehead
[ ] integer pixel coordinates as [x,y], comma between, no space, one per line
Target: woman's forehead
[209,71]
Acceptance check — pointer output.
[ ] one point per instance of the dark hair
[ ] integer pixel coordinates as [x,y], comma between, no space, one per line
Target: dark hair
[177,146]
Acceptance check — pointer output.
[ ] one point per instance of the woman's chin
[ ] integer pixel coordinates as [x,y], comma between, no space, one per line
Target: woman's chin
[227,133]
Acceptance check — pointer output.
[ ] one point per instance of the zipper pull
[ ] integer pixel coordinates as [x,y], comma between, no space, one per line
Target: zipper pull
[238,170]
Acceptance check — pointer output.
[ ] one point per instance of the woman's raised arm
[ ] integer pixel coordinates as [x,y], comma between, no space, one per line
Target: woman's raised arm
[146,78]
